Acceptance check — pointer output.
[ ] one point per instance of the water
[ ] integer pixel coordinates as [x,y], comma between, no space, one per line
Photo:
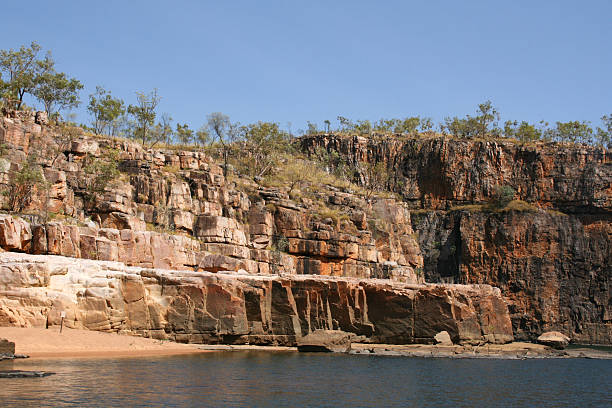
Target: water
[265,379]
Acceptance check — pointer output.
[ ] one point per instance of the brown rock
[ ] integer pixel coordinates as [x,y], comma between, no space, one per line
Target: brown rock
[335,341]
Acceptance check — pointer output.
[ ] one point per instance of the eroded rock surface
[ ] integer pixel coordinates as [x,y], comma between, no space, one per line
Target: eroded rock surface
[204,307]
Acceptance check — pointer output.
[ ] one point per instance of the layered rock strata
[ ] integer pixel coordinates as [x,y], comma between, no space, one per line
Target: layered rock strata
[204,307]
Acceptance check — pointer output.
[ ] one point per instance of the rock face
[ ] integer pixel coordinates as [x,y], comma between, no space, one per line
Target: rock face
[330,341]
[175,210]
[7,347]
[436,172]
[204,307]
[554,339]
[443,339]
[554,269]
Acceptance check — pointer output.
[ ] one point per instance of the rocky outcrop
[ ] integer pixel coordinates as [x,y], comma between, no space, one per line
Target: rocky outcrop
[554,339]
[175,209]
[204,307]
[326,341]
[435,172]
[554,270]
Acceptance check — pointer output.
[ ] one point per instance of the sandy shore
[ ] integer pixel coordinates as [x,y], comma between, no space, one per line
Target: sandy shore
[43,343]
[40,342]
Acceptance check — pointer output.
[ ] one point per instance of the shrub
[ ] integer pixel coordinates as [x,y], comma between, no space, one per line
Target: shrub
[503,196]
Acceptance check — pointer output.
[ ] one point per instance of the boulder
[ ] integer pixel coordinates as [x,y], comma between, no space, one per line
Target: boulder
[7,347]
[443,339]
[335,341]
[554,339]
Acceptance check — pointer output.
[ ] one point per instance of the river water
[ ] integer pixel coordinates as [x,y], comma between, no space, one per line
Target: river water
[277,379]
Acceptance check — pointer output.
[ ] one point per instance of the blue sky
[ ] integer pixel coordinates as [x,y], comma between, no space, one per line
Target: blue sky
[289,61]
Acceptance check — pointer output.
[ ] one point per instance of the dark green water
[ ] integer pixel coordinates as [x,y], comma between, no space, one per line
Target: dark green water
[264,379]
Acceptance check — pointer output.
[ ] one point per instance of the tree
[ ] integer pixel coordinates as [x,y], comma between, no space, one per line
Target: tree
[21,68]
[295,172]
[225,133]
[22,183]
[603,137]
[486,118]
[312,128]
[265,143]
[503,195]
[481,125]
[57,90]
[523,131]
[202,136]
[327,125]
[376,177]
[106,111]
[144,115]
[573,131]
[184,134]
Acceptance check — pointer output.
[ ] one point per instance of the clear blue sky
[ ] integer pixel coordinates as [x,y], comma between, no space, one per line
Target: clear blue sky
[290,61]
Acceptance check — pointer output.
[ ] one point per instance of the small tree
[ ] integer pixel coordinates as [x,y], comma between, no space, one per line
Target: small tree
[523,131]
[56,90]
[486,118]
[225,133]
[202,136]
[184,134]
[265,143]
[20,69]
[98,173]
[573,131]
[603,137]
[503,195]
[376,177]
[144,115]
[106,111]
[22,183]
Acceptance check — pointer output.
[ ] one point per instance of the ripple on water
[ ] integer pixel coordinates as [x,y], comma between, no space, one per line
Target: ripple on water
[263,379]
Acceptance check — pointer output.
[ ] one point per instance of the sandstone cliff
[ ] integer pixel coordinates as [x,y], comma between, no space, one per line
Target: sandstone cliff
[174,210]
[239,308]
[555,269]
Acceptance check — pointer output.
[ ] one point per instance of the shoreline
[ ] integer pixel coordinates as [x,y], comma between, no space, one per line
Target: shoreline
[40,343]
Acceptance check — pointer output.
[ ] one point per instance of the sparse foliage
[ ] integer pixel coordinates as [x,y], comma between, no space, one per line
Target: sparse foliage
[503,195]
[144,115]
[56,90]
[20,69]
[106,111]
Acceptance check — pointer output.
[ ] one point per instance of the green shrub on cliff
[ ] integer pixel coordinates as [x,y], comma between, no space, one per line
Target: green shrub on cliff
[502,196]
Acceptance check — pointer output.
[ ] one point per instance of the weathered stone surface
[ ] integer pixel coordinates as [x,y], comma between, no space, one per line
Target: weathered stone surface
[555,270]
[443,339]
[435,173]
[209,307]
[554,339]
[7,347]
[334,341]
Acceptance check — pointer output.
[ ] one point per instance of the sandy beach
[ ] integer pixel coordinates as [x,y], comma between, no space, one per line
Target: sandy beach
[41,343]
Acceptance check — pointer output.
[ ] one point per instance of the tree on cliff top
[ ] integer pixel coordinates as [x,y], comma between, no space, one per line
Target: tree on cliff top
[105,110]
[224,133]
[20,69]
[603,137]
[144,115]
[56,89]
[481,125]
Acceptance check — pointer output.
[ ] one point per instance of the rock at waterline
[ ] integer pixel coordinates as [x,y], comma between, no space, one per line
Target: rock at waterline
[23,374]
[7,347]
[554,339]
[335,341]
[443,339]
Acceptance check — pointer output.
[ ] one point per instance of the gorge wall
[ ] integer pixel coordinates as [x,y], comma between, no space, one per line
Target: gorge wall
[552,260]
[175,210]
[205,307]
